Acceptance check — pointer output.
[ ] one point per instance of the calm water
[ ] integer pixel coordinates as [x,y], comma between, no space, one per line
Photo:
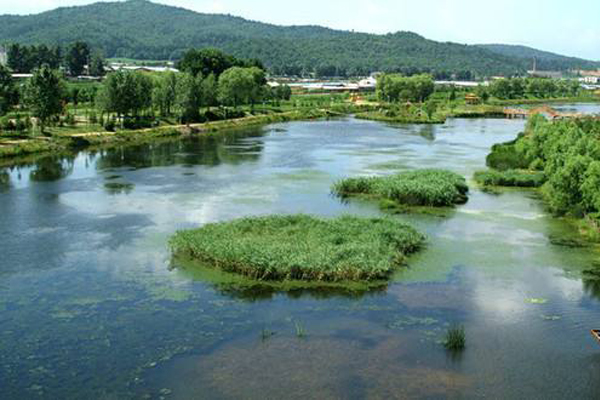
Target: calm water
[93,306]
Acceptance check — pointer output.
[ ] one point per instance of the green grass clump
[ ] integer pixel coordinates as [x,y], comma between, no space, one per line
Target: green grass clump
[455,339]
[427,187]
[510,178]
[301,247]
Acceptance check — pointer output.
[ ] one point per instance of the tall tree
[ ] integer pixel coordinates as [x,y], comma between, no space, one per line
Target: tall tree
[8,91]
[165,93]
[77,58]
[189,97]
[97,64]
[237,86]
[126,93]
[44,94]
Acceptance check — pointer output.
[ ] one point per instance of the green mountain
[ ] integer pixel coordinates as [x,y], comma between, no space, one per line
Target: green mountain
[144,30]
[544,60]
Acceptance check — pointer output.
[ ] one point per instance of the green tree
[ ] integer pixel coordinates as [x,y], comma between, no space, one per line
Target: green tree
[44,94]
[430,107]
[77,58]
[236,86]
[206,62]
[126,93]
[8,91]
[189,97]
[97,64]
[164,95]
[210,91]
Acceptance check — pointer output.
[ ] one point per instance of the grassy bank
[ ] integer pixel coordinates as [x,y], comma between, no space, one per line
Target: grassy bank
[65,142]
[383,117]
[430,187]
[301,247]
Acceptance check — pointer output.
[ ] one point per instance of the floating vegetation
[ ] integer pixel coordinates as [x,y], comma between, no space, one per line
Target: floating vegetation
[537,301]
[118,188]
[411,321]
[455,339]
[427,187]
[112,177]
[510,178]
[301,247]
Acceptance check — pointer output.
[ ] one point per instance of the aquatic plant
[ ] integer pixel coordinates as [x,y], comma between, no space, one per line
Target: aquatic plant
[426,187]
[301,247]
[300,331]
[455,339]
[510,178]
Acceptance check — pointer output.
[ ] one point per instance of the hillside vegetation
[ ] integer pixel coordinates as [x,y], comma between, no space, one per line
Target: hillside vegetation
[144,30]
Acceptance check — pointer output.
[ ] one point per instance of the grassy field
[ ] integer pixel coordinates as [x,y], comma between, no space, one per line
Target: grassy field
[301,247]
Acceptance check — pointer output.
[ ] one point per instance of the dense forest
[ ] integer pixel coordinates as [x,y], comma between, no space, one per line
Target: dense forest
[143,30]
[545,60]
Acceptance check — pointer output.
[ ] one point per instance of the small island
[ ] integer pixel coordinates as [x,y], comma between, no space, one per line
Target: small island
[426,187]
[302,247]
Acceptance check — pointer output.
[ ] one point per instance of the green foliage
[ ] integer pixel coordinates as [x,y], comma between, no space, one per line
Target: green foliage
[24,59]
[189,96]
[77,57]
[44,94]
[164,94]
[8,91]
[97,64]
[505,156]
[428,187]
[301,247]
[212,62]
[516,178]
[568,153]
[455,339]
[126,93]
[143,30]
[395,87]
[240,85]
[541,88]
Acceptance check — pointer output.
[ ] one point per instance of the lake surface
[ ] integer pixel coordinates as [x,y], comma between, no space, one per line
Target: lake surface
[93,306]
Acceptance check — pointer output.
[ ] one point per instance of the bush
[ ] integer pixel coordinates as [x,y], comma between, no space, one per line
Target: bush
[110,125]
[505,156]
[429,187]
[301,247]
[509,178]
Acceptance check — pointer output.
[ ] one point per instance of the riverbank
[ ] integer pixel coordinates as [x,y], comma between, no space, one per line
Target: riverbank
[9,149]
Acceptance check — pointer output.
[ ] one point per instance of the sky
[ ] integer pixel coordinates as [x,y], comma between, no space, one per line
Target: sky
[565,27]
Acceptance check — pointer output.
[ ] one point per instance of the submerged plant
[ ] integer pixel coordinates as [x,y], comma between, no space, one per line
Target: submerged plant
[426,187]
[455,339]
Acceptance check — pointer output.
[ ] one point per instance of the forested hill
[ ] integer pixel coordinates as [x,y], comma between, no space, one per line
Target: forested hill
[545,60]
[144,30]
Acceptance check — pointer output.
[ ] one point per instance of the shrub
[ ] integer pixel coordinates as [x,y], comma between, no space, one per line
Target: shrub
[300,247]
[428,187]
[516,178]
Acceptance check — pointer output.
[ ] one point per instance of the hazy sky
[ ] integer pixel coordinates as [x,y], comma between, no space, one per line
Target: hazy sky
[566,27]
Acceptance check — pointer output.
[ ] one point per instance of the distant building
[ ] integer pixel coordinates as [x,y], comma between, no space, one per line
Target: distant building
[593,80]
[585,74]
[545,74]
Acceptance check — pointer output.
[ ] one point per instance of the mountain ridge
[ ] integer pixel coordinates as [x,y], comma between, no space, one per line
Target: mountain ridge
[141,29]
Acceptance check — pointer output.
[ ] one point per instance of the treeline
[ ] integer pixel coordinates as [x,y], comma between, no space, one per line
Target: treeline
[74,58]
[131,99]
[542,88]
[395,87]
[568,154]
